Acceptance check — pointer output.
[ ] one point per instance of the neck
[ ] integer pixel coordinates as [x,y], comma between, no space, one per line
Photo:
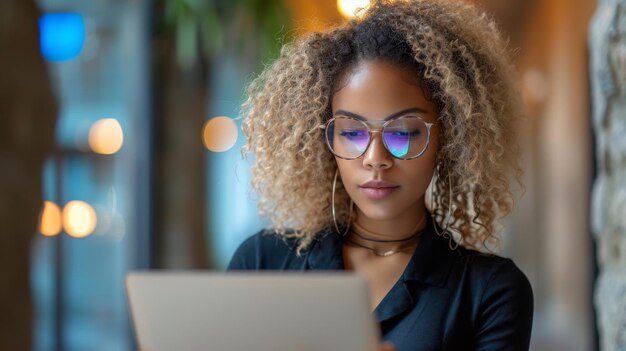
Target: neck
[389,230]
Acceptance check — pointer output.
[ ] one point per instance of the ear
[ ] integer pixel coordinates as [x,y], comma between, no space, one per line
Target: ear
[439,158]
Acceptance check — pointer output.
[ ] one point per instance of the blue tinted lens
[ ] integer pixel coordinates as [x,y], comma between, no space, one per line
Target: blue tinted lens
[406,137]
[398,143]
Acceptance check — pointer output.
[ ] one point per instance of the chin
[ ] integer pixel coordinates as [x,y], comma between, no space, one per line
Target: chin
[379,213]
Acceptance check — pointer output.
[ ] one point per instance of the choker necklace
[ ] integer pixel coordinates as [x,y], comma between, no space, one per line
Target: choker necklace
[376,252]
[363,233]
[410,243]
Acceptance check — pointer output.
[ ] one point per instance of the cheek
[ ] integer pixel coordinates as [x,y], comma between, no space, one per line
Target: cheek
[422,170]
[344,169]
[348,175]
[422,174]
[429,158]
[435,141]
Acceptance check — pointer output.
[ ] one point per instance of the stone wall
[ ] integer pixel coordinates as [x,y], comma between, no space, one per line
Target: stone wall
[607,42]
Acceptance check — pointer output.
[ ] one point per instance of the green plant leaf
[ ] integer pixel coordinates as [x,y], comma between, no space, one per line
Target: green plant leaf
[186,42]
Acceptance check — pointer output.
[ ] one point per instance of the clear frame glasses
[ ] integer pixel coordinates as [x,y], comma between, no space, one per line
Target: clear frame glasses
[405,137]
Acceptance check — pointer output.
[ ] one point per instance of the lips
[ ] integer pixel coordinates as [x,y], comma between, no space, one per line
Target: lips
[378,189]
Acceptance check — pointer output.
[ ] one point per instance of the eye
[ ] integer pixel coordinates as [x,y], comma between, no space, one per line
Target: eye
[406,133]
[354,134]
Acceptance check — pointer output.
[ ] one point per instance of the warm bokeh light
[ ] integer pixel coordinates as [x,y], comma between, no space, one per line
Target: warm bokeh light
[348,8]
[50,219]
[219,134]
[79,219]
[106,136]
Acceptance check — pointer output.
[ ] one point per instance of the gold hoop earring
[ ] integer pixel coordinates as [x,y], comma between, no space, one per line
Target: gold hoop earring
[333,207]
[445,232]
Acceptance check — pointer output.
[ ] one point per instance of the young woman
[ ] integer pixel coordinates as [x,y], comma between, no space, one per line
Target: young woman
[387,147]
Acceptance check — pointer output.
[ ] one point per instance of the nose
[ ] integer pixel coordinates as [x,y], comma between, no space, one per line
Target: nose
[376,156]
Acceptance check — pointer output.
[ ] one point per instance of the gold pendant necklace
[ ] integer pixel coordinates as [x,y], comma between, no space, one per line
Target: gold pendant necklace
[362,233]
[376,252]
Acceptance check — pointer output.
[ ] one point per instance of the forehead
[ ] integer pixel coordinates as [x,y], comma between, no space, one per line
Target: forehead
[379,89]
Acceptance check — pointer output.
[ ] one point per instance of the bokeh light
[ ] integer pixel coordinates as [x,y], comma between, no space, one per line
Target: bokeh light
[348,8]
[79,219]
[50,219]
[106,136]
[219,134]
[62,35]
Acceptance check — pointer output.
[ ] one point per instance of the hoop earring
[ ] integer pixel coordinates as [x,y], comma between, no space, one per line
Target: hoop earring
[445,232]
[333,208]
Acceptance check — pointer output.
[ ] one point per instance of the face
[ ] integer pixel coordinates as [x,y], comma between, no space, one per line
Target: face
[376,92]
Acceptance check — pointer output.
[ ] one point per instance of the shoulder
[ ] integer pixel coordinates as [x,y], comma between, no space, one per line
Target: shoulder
[263,250]
[480,271]
[494,272]
[503,299]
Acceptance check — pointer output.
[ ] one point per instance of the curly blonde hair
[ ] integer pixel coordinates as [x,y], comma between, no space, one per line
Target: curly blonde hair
[462,61]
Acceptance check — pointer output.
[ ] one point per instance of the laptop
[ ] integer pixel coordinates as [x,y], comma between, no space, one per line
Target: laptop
[261,311]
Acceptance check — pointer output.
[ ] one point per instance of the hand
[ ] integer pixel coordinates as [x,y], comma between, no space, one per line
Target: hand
[386,346]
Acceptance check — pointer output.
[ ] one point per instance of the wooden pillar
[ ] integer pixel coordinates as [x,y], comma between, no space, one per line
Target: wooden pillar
[27,117]
[179,110]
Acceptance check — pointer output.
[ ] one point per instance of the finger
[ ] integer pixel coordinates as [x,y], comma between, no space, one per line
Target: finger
[386,347]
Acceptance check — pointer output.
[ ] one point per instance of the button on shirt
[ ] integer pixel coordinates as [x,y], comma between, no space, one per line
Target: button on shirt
[445,299]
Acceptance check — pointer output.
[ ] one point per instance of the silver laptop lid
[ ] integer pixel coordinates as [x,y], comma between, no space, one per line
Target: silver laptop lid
[266,311]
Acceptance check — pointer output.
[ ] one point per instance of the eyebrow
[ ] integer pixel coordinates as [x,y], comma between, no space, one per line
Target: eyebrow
[392,116]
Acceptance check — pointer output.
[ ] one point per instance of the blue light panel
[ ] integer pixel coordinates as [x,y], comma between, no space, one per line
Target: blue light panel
[62,35]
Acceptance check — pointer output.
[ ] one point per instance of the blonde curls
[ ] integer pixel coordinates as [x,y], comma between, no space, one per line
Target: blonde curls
[464,65]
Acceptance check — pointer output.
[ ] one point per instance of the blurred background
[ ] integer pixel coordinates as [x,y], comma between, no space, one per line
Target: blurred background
[120,150]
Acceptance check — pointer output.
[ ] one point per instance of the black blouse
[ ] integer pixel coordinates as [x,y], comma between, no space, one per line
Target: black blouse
[445,299]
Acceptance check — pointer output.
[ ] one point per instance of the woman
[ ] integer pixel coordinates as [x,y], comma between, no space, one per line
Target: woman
[387,146]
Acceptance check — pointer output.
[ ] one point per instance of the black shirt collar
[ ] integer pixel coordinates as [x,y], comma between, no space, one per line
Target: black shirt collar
[326,252]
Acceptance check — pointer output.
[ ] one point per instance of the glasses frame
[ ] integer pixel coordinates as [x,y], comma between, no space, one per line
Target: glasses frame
[381,130]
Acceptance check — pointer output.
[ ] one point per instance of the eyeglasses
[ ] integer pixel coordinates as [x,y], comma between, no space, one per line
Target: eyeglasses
[405,138]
